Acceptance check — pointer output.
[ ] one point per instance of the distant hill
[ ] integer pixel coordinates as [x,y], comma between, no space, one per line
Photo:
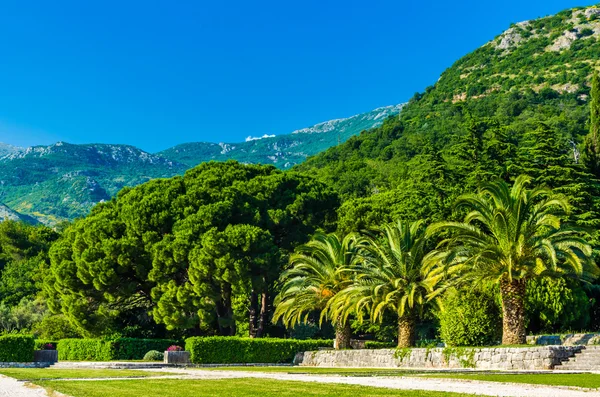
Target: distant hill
[6,149]
[64,181]
[8,214]
[283,151]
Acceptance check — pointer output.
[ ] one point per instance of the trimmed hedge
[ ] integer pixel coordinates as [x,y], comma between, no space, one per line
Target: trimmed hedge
[236,350]
[135,349]
[372,344]
[39,343]
[108,350]
[85,350]
[16,348]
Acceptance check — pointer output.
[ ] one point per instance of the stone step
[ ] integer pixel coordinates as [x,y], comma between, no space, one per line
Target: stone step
[584,360]
[578,368]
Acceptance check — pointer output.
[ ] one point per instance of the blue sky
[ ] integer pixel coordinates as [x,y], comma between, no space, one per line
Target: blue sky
[158,73]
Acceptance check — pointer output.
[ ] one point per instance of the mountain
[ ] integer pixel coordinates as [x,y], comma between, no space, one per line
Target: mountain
[64,181]
[8,214]
[6,149]
[519,104]
[283,151]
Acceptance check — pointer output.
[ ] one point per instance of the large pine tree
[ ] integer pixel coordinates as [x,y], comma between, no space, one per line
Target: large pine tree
[592,140]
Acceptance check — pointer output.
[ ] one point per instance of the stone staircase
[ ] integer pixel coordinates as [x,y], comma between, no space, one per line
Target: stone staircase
[588,359]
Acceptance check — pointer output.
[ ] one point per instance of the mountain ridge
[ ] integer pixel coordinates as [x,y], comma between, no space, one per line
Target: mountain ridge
[285,150]
[63,181]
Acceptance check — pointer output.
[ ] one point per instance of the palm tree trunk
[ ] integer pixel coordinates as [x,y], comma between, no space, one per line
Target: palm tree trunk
[343,333]
[406,331]
[513,312]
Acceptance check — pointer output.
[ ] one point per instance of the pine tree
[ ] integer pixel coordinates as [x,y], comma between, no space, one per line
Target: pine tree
[592,140]
[547,157]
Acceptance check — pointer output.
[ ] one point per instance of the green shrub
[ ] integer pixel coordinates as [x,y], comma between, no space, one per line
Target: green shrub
[470,318]
[16,348]
[40,344]
[235,350]
[55,327]
[135,349]
[107,350]
[371,344]
[85,350]
[154,355]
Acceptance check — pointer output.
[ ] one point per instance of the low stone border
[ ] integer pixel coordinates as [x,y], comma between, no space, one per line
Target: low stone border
[526,358]
[37,364]
[565,339]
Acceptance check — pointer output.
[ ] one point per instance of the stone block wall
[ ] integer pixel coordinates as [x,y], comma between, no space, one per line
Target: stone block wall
[566,339]
[25,365]
[526,358]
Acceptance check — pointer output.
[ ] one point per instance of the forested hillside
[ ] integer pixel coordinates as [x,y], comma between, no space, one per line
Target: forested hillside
[519,104]
[283,151]
[63,181]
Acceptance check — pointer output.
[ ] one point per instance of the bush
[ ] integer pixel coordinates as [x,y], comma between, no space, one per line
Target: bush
[470,318]
[134,349]
[371,344]
[107,350]
[44,344]
[154,355]
[55,327]
[16,348]
[85,350]
[235,350]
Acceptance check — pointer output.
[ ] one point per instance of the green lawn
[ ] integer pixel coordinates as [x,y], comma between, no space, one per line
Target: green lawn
[33,374]
[224,388]
[579,380]
[319,370]
[551,379]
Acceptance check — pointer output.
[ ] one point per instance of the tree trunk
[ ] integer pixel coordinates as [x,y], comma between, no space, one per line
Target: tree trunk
[513,312]
[406,331]
[262,319]
[343,333]
[227,320]
[252,315]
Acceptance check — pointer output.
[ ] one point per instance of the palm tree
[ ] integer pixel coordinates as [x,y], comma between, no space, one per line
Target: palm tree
[318,271]
[509,236]
[391,276]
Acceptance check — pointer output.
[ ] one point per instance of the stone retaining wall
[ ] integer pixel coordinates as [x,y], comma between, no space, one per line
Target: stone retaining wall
[566,339]
[25,365]
[527,358]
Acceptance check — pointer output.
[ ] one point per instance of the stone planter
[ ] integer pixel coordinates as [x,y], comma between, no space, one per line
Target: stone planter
[45,356]
[177,357]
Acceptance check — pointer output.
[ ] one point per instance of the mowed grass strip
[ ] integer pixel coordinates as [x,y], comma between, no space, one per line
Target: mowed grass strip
[33,374]
[320,370]
[224,388]
[591,381]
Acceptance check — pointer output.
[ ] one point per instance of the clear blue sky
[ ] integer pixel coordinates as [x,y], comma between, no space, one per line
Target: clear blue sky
[158,73]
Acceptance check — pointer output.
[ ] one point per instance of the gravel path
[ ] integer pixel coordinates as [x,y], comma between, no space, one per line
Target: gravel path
[10,387]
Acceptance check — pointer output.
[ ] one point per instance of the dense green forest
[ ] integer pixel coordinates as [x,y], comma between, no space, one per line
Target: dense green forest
[204,253]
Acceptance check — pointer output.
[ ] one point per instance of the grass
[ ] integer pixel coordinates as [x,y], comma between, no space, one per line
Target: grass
[225,388]
[320,370]
[550,379]
[34,374]
[591,381]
